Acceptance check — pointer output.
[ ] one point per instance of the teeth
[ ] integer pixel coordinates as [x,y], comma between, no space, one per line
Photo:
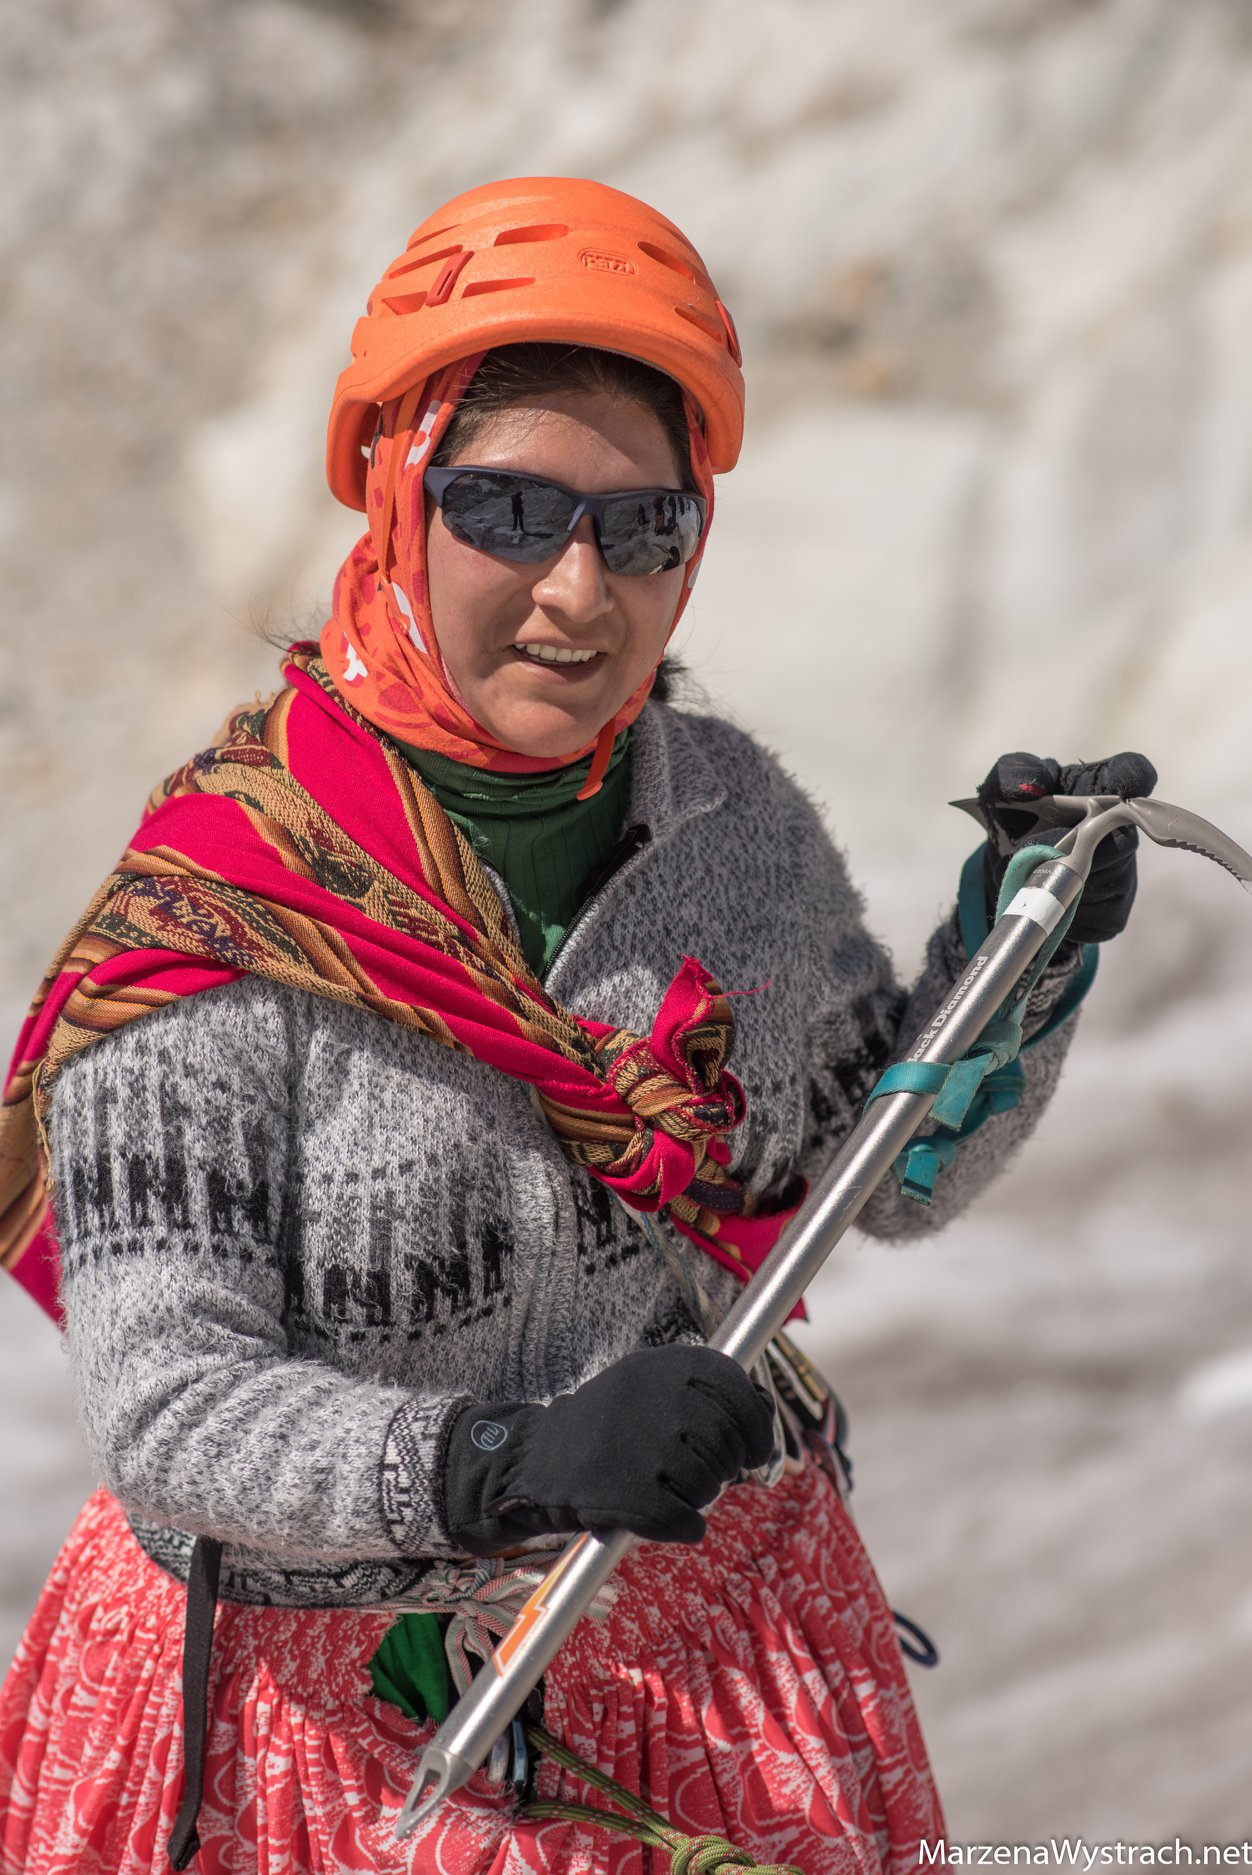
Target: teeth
[556,654]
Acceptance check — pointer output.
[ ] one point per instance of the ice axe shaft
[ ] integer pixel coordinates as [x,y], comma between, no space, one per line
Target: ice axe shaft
[555,1607]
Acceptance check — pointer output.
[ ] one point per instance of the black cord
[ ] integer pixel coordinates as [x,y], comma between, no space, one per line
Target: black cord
[202,1579]
[925,1653]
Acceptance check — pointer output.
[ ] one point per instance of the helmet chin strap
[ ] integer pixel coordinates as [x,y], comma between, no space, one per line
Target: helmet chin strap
[599,762]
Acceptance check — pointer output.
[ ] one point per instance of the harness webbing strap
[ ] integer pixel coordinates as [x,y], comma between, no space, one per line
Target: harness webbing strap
[202,1579]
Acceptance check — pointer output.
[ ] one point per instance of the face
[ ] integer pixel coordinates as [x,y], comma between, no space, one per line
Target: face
[492,616]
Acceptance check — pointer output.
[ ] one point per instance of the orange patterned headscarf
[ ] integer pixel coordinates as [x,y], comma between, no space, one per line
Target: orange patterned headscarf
[380,644]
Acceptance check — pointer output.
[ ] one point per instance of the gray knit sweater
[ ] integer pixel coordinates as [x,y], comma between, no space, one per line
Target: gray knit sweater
[297,1239]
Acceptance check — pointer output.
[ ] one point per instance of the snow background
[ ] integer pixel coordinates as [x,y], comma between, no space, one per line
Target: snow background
[992,266]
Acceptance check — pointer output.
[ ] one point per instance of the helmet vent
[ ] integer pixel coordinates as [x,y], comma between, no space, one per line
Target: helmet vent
[542,231]
[422,260]
[493,286]
[667,259]
[694,317]
[420,239]
[404,302]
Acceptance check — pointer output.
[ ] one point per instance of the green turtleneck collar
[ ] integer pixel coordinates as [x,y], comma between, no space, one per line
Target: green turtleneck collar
[547,845]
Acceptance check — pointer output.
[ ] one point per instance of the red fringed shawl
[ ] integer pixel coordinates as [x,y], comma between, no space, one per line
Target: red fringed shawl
[302,847]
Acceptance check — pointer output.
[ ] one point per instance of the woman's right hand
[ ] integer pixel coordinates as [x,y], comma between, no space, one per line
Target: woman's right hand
[644,1446]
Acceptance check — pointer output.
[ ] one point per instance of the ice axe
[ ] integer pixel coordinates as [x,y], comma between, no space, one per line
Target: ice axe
[552,1610]
[1090,816]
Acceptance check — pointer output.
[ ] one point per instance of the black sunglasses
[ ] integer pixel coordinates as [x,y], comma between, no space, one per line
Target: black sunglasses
[527,518]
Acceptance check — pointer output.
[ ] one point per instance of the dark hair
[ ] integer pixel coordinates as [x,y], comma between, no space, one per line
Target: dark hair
[511,374]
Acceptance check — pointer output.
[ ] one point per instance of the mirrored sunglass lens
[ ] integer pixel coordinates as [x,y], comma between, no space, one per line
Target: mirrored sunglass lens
[507,514]
[650,533]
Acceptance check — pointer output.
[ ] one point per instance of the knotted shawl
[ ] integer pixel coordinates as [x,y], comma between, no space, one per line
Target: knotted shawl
[302,847]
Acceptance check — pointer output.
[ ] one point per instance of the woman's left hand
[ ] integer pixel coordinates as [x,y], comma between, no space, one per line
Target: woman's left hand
[1110,890]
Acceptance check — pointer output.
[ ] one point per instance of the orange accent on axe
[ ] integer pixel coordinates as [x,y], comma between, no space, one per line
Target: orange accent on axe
[535,1607]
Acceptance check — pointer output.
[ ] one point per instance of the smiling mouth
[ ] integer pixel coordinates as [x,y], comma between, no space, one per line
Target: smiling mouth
[555,654]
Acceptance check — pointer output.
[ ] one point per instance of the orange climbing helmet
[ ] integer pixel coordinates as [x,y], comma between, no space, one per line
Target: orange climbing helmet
[540,257]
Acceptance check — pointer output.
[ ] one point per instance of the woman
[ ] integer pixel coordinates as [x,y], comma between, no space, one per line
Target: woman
[398,1174]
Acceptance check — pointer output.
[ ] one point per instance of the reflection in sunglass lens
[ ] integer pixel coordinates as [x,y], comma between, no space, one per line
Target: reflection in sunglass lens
[649,534]
[507,514]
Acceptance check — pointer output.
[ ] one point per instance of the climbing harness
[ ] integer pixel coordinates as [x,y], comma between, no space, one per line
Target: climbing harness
[482,1598]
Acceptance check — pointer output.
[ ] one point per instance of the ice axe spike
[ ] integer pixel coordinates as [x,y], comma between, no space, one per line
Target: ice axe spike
[438,1775]
[1163,823]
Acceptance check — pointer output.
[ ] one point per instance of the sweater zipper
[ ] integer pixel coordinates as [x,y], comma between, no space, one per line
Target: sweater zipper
[633,845]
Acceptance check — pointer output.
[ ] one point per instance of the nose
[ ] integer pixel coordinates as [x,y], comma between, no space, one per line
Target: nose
[575,584]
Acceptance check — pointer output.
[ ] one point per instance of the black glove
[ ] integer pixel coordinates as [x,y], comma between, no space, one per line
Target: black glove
[644,1446]
[1110,890]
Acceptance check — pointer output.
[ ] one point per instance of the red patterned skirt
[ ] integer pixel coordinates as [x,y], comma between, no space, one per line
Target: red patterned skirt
[751,1687]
